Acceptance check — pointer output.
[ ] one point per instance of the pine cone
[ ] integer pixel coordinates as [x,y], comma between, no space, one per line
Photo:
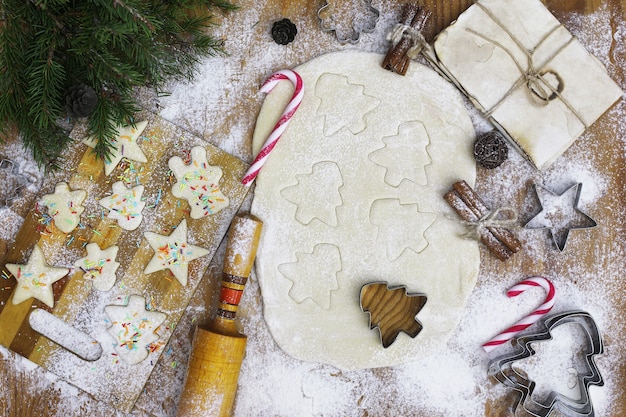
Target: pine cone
[284,31]
[81,100]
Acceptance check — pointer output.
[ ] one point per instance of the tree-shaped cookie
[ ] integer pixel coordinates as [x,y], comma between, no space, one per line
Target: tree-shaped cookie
[124,145]
[392,310]
[64,206]
[99,266]
[133,328]
[125,205]
[35,279]
[198,183]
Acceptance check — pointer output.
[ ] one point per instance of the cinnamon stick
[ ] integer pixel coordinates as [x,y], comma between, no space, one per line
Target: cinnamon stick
[455,200]
[480,209]
[396,59]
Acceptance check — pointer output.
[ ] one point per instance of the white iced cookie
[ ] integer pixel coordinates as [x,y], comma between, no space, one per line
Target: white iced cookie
[64,206]
[124,146]
[353,193]
[99,266]
[125,205]
[198,183]
[133,328]
[173,252]
[35,279]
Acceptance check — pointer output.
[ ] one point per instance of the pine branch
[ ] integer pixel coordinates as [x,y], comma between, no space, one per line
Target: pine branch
[47,46]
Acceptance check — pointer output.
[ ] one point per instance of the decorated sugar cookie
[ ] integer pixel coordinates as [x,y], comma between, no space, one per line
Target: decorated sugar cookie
[64,206]
[35,279]
[134,328]
[198,183]
[173,252]
[125,205]
[124,146]
[99,266]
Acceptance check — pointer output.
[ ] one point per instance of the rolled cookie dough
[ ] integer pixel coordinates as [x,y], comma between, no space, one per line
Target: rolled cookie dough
[351,194]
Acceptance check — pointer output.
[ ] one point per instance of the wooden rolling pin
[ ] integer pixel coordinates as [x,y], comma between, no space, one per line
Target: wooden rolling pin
[217,352]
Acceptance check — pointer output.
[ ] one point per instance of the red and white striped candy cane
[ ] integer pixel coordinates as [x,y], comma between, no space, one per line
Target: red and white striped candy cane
[532,318]
[282,123]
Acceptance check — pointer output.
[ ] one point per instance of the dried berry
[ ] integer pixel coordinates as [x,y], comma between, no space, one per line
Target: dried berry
[284,31]
[490,149]
[81,100]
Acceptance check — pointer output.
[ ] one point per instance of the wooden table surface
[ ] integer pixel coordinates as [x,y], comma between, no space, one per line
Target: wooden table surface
[228,123]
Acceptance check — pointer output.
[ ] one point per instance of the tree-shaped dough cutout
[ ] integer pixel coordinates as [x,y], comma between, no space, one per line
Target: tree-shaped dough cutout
[335,92]
[404,155]
[392,310]
[324,181]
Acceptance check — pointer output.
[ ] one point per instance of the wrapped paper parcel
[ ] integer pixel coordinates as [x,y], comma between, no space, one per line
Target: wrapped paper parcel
[527,74]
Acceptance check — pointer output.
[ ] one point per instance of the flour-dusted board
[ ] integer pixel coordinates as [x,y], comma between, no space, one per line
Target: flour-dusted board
[77,302]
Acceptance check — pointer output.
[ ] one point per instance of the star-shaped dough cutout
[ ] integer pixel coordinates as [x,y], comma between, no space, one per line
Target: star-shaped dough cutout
[125,205]
[173,252]
[124,146]
[133,328]
[560,214]
[198,183]
[99,266]
[35,279]
[327,259]
[64,206]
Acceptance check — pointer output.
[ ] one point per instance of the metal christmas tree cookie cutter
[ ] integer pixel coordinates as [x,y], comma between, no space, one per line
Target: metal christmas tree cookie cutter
[502,370]
[560,239]
[328,21]
[10,170]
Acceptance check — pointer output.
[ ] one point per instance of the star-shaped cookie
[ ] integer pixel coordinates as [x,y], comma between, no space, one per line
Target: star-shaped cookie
[124,146]
[198,183]
[35,279]
[64,206]
[99,266]
[173,252]
[133,328]
[125,205]
[560,214]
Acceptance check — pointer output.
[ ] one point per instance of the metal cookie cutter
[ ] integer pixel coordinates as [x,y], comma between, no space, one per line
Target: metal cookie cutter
[560,233]
[334,12]
[12,181]
[501,368]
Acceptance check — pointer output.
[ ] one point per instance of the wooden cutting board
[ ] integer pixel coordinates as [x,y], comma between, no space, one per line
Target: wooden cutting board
[109,378]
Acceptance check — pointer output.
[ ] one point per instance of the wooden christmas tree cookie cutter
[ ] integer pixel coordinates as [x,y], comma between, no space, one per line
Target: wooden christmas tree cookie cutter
[502,370]
[392,310]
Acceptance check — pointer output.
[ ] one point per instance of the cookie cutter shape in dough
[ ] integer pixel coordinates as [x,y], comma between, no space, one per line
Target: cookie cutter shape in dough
[12,181]
[502,370]
[392,310]
[542,219]
[335,12]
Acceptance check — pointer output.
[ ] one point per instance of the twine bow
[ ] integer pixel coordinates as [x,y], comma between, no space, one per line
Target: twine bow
[492,219]
[539,88]
[401,31]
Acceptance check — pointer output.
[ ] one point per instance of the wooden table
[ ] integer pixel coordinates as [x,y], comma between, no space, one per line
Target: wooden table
[228,123]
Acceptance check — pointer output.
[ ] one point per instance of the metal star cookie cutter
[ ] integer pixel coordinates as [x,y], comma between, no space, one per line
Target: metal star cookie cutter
[328,23]
[502,370]
[9,171]
[560,234]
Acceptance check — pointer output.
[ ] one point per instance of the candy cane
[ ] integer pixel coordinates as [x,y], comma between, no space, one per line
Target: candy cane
[533,317]
[284,120]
